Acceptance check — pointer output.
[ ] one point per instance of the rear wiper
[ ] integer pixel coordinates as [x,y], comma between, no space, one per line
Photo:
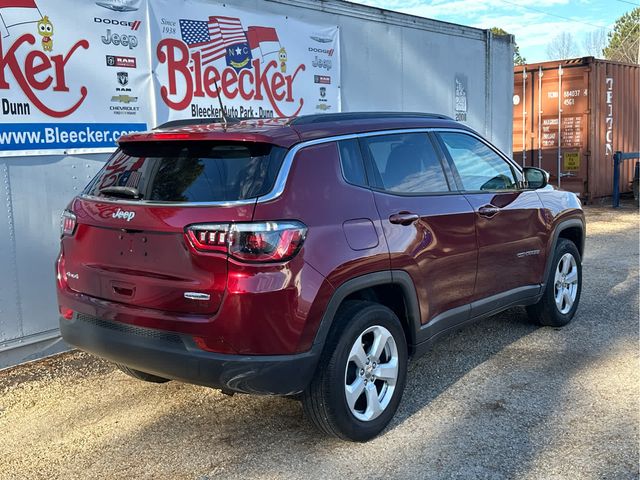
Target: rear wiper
[122,192]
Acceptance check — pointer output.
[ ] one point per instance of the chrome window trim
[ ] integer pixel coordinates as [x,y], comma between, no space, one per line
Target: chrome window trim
[489,145]
[151,203]
[285,168]
[517,169]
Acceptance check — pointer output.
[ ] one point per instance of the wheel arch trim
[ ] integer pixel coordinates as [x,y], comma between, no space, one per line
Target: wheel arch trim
[562,226]
[399,278]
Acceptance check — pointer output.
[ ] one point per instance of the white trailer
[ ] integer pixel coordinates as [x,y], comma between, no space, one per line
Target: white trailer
[388,61]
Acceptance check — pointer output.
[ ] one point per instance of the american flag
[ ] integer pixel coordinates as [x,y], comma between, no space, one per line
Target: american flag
[130,178]
[212,38]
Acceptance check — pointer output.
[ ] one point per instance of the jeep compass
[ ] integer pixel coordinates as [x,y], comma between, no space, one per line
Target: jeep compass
[309,257]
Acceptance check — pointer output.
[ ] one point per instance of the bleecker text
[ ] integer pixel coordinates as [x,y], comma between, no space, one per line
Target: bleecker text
[39,73]
[251,84]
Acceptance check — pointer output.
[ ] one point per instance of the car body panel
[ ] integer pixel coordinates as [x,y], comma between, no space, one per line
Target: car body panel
[511,243]
[439,250]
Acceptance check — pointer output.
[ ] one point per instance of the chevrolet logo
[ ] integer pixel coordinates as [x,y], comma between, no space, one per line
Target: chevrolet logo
[124,99]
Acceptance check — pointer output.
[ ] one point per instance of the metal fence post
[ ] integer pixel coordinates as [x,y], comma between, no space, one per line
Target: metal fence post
[616,179]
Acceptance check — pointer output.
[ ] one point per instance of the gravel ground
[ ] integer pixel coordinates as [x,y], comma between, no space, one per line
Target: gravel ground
[499,400]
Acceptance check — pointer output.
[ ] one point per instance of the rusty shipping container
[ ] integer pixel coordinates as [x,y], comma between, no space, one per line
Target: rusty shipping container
[571,116]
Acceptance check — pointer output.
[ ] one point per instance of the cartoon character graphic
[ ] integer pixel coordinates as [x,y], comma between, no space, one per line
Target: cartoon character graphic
[282,56]
[45,30]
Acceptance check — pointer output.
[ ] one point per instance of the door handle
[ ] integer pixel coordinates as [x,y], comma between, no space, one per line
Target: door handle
[488,211]
[404,218]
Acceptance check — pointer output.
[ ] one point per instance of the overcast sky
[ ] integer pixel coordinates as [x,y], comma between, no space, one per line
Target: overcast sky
[533,22]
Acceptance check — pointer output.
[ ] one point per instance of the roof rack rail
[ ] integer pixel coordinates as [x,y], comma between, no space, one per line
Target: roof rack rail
[195,121]
[332,117]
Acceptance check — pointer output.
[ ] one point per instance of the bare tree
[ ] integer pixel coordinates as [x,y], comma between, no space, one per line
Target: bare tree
[594,42]
[562,46]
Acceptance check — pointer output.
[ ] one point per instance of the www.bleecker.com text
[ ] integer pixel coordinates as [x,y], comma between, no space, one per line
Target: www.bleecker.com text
[50,136]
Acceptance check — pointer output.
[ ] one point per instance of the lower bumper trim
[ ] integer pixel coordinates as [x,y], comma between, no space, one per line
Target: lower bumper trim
[173,356]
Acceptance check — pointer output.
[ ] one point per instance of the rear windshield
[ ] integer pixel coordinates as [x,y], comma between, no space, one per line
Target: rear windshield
[188,171]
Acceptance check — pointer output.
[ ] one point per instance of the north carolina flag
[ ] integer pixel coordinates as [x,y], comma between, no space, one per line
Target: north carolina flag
[211,38]
[17,12]
[265,38]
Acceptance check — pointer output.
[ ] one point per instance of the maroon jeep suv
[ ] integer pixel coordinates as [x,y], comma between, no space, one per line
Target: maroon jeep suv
[309,257]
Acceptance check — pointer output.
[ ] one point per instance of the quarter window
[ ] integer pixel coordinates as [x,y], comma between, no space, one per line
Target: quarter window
[478,167]
[406,163]
[351,160]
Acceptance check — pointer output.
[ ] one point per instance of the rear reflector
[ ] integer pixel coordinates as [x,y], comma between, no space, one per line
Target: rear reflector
[67,223]
[250,242]
[66,313]
[216,345]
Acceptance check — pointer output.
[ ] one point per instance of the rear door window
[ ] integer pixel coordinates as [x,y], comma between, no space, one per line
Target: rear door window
[189,171]
[406,163]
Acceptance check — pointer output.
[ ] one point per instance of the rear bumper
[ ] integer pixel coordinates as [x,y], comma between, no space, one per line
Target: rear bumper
[175,356]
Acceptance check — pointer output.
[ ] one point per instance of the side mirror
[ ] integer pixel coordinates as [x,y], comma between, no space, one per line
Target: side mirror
[535,177]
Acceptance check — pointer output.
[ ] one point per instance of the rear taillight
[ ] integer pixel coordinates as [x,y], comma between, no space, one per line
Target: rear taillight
[266,241]
[67,223]
[250,242]
[209,237]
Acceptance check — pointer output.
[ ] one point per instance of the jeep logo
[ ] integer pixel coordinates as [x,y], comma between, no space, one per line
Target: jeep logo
[130,41]
[128,216]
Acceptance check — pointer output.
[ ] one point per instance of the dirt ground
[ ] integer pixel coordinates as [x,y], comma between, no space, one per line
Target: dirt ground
[501,399]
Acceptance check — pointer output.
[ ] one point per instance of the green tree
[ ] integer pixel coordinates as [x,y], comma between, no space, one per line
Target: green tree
[517,58]
[624,39]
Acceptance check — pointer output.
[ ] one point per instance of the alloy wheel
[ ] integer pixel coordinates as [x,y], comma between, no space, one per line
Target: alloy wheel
[371,373]
[566,283]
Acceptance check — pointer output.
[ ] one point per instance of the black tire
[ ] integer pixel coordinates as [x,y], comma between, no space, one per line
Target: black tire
[325,401]
[138,375]
[546,312]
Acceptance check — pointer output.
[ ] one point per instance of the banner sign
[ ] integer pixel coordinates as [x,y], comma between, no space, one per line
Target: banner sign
[74,76]
[264,66]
